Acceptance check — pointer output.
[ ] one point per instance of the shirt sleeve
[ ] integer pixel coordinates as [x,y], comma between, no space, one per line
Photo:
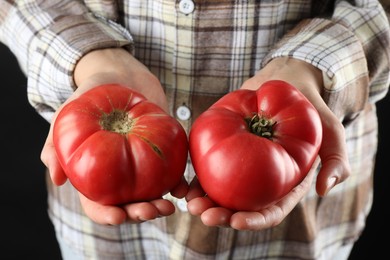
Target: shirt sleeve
[351,48]
[48,38]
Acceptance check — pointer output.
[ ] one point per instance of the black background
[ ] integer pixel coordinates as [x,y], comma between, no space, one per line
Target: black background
[27,232]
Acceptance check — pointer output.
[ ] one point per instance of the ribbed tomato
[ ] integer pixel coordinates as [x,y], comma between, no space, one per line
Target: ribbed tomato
[251,148]
[116,147]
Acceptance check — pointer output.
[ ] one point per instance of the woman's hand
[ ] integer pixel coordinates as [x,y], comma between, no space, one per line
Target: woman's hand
[114,66]
[333,154]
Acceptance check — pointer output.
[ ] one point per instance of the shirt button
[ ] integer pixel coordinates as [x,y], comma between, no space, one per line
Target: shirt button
[182,205]
[183,113]
[186,6]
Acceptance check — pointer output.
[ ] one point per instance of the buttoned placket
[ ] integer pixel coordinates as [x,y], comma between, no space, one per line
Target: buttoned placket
[183,60]
[182,69]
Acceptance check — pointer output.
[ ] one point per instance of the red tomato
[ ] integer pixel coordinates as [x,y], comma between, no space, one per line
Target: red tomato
[251,148]
[116,147]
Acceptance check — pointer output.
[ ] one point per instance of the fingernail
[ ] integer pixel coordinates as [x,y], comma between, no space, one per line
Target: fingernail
[330,183]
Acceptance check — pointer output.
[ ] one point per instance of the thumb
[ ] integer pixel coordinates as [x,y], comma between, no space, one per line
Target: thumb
[49,158]
[335,167]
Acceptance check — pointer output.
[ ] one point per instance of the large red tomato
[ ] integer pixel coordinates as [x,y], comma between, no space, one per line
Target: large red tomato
[116,147]
[250,148]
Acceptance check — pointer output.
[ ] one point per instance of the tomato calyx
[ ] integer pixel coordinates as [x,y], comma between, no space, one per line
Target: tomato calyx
[260,125]
[117,121]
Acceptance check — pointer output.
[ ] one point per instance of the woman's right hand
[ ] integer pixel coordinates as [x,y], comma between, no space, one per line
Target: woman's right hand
[105,66]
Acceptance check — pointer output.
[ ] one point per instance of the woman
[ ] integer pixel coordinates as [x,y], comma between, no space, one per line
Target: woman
[186,55]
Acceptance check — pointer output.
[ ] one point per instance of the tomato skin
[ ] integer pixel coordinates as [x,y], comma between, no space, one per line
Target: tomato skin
[240,170]
[113,168]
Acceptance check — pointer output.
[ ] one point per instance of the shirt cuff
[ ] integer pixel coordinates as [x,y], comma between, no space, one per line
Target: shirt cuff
[57,51]
[337,53]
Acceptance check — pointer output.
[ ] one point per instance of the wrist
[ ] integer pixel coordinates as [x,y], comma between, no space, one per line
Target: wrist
[118,66]
[109,62]
[298,73]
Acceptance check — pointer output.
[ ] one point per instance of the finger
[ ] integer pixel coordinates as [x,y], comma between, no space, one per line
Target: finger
[269,217]
[195,190]
[255,220]
[101,214]
[141,211]
[164,207]
[217,217]
[49,155]
[335,167]
[275,214]
[198,205]
[181,190]
[49,158]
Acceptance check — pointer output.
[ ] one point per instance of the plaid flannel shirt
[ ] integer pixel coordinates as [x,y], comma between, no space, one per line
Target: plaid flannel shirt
[198,57]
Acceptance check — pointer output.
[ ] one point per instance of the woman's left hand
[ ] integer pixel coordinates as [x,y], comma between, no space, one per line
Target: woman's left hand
[333,154]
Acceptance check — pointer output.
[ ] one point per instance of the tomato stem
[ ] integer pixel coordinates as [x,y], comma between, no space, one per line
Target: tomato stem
[117,121]
[261,126]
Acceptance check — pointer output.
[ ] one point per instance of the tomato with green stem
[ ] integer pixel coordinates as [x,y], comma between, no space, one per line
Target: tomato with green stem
[251,148]
[116,147]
